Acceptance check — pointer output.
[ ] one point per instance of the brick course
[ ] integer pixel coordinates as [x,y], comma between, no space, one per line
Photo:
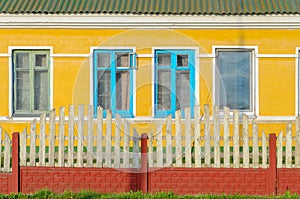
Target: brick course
[288,180]
[215,181]
[77,179]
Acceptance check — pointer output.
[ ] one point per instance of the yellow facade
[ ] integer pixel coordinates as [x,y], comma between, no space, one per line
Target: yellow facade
[276,74]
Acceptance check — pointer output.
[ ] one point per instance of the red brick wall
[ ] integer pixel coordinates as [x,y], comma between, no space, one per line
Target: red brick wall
[5,182]
[77,179]
[288,180]
[217,181]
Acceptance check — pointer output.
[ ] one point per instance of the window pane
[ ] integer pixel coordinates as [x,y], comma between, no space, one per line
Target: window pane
[234,79]
[22,90]
[103,60]
[182,89]
[122,59]
[41,90]
[41,60]
[182,60]
[164,59]
[104,89]
[122,90]
[164,90]
[22,60]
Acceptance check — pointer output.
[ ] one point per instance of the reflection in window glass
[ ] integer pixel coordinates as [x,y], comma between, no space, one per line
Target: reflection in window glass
[22,60]
[122,59]
[103,60]
[182,89]
[164,89]
[40,60]
[233,82]
[164,59]
[122,90]
[182,60]
[104,89]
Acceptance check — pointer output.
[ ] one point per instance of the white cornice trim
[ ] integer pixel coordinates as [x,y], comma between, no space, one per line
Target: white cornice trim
[150,22]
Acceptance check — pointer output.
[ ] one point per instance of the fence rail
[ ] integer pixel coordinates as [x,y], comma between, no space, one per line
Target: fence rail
[229,141]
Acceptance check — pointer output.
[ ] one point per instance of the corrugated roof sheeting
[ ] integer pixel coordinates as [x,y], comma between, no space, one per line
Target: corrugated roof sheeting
[176,7]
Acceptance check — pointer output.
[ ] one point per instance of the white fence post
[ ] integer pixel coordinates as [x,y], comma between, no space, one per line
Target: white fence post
[206,136]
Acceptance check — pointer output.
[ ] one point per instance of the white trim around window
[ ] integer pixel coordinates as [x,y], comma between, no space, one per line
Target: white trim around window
[10,73]
[254,77]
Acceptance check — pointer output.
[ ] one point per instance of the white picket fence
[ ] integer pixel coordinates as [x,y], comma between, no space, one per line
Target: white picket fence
[85,145]
[206,141]
[201,143]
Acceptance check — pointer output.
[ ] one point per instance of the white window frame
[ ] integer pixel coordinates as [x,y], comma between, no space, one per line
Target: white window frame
[197,72]
[10,65]
[92,75]
[254,77]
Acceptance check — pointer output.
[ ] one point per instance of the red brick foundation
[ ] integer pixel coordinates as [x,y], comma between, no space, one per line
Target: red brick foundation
[5,183]
[269,181]
[288,180]
[214,181]
[77,179]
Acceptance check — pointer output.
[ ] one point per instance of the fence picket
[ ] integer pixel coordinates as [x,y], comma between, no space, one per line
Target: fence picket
[71,136]
[136,140]
[169,151]
[108,138]
[80,135]
[99,155]
[23,153]
[90,137]
[126,155]
[216,136]
[206,136]
[236,139]
[255,147]
[117,142]
[264,150]
[297,146]
[279,150]
[61,137]
[159,145]
[42,147]
[226,138]
[6,153]
[188,138]
[288,147]
[52,138]
[178,139]
[150,149]
[32,143]
[197,137]
[245,142]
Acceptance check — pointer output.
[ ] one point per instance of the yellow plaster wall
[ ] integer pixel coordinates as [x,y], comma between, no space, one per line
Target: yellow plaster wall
[71,76]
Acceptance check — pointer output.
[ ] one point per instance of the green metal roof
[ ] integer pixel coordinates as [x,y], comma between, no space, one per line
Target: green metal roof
[154,7]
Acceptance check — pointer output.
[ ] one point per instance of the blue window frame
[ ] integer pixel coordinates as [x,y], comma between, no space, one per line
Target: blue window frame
[113,81]
[174,81]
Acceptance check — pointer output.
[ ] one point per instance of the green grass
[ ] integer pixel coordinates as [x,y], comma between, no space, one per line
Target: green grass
[44,194]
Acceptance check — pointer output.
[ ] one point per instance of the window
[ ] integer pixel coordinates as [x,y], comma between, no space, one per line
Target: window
[113,81]
[174,81]
[30,81]
[233,79]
